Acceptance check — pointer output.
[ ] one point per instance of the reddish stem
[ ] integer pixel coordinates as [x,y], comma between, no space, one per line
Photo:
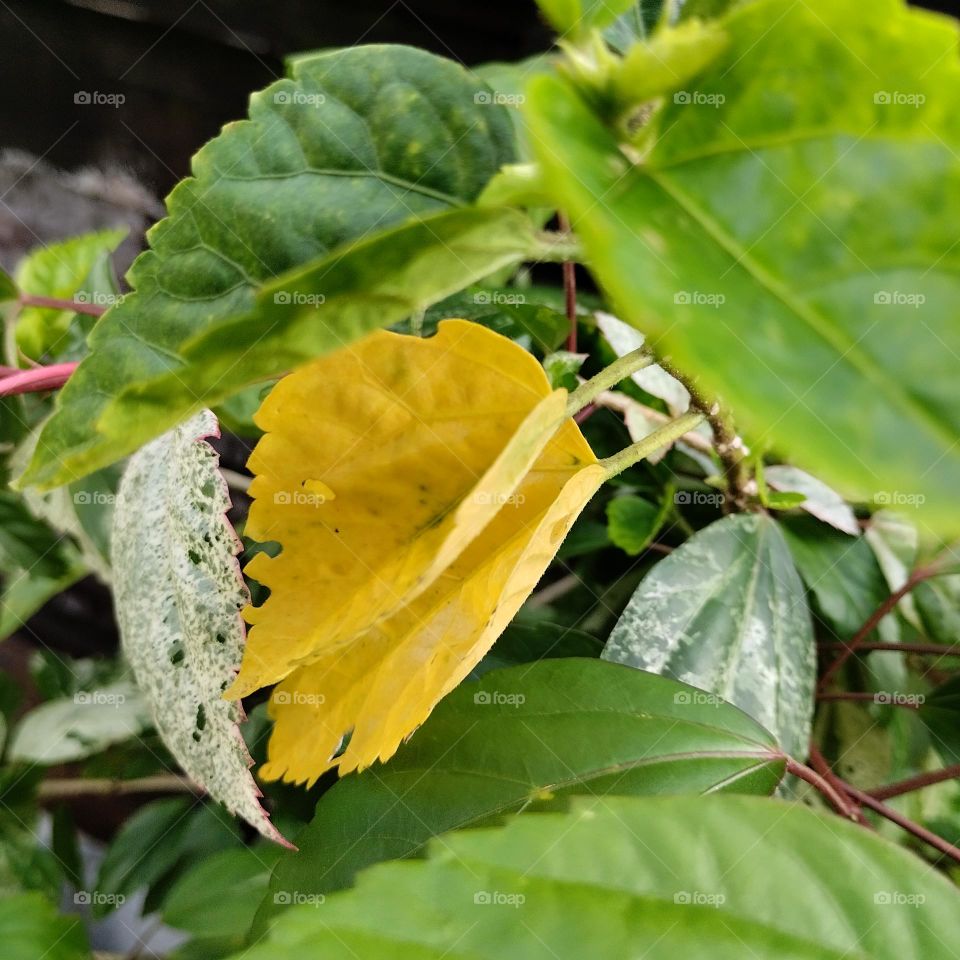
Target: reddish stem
[55,303]
[921,833]
[37,379]
[915,783]
[819,763]
[918,576]
[867,698]
[586,413]
[570,291]
[837,800]
[933,649]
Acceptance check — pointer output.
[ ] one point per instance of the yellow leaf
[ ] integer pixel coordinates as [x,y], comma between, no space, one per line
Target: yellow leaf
[384,685]
[381,463]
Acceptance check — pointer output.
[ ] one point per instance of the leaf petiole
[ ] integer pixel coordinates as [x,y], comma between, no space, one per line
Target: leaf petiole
[609,377]
[667,434]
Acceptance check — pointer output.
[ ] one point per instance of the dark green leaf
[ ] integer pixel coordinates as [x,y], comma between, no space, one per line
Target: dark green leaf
[529,733]
[634,522]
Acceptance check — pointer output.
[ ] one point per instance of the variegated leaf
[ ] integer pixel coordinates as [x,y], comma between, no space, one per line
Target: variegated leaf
[178,594]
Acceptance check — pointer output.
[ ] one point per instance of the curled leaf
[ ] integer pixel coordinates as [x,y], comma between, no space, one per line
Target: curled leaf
[419,489]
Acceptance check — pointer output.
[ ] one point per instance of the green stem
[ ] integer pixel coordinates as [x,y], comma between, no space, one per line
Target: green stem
[609,377]
[556,248]
[660,438]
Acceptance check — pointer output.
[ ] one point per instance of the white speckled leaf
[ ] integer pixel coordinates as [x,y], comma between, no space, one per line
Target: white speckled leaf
[727,612]
[178,593]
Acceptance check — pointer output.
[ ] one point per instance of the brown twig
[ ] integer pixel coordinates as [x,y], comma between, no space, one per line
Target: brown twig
[820,764]
[80,787]
[888,605]
[877,698]
[837,800]
[933,649]
[915,783]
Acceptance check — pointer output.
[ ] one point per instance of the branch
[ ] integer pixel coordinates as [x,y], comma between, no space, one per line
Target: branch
[915,783]
[79,787]
[876,698]
[818,782]
[918,576]
[54,303]
[933,649]
[819,763]
[36,380]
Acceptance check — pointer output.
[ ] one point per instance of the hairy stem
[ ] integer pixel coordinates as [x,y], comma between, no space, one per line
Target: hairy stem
[667,434]
[91,309]
[728,445]
[609,377]
[36,380]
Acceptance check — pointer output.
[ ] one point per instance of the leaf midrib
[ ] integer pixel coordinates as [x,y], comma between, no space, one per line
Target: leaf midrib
[847,350]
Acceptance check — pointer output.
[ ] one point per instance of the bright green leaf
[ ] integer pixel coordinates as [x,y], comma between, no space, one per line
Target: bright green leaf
[823,309]
[31,929]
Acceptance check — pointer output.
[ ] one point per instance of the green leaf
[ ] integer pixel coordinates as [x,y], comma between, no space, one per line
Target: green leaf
[357,141]
[562,368]
[218,897]
[726,612]
[940,712]
[30,928]
[158,839]
[178,593]
[59,270]
[527,642]
[634,522]
[25,592]
[937,604]
[527,734]
[635,24]
[815,497]
[841,571]
[828,298]
[718,878]
[25,542]
[360,288]
[61,731]
[579,16]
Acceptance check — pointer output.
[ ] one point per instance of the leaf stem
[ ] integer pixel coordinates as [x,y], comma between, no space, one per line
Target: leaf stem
[36,380]
[821,783]
[833,695]
[932,649]
[55,303]
[667,434]
[569,289]
[609,377]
